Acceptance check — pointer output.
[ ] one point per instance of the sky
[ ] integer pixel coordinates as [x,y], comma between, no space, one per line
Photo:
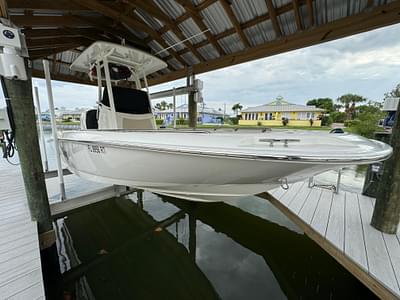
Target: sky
[367,64]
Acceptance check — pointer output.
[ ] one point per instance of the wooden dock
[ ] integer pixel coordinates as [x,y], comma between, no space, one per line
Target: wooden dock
[340,224]
[20,266]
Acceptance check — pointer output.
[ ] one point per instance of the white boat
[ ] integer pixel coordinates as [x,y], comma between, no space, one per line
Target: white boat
[127,149]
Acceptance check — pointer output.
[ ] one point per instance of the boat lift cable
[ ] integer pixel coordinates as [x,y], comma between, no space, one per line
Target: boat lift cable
[8,136]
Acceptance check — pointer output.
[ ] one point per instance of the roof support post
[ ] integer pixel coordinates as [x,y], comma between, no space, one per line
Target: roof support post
[192,104]
[54,128]
[21,97]
[386,214]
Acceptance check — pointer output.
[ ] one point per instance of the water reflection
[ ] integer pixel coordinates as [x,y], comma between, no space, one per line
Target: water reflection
[166,248]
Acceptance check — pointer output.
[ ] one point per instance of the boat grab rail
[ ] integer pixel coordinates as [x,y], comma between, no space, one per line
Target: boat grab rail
[284,141]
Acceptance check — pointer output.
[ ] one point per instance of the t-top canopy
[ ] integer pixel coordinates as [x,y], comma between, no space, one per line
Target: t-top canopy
[118,54]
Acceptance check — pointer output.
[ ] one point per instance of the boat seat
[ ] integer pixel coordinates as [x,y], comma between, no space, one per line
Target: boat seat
[91,119]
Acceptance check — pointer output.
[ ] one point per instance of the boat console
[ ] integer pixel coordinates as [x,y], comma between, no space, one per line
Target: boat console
[119,107]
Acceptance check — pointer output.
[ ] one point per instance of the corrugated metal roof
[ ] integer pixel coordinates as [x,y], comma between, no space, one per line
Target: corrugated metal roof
[149,20]
[260,33]
[251,14]
[232,43]
[208,52]
[171,8]
[287,23]
[190,29]
[172,39]
[246,10]
[216,19]
[190,58]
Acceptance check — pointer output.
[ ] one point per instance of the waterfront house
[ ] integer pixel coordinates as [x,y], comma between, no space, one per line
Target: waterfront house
[205,115]
[273,113]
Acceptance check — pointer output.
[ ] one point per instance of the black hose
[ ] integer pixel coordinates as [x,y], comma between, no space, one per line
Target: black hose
[8,136]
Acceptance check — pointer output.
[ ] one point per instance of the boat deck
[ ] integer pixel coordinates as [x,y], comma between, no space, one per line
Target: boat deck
[340,224]
[20,266]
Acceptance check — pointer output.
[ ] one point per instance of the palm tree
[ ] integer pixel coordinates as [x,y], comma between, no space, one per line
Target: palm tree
[236,108]
[349,101]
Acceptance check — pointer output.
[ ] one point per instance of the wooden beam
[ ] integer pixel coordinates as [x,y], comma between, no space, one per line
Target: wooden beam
[117,31]
[56,42]
[194,13]
[310,10]
[119,17]
[58,32]
[37,5]
[156,12]
[56,21]
[228,9]
[296,9]
[280,10]
[64,77]
[41,53]
[3,9]
[273,17]
[378,17]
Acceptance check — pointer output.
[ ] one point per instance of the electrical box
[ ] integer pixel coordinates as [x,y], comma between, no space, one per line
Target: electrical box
[12,65]
[391,104]
[9,36]
[4,123]
[198,84]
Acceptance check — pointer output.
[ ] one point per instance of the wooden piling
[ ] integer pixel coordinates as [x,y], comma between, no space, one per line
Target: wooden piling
[21,97]
[386,214]
[192,104]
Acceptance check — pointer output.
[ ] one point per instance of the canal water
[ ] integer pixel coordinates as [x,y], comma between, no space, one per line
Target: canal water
[144,246]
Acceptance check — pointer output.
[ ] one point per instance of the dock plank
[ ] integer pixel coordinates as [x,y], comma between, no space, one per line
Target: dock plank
[335,230]
[298,201]
[13,287]
[379,262]
[354,244]
[32,292]
[20,265]
[309,207]
[321,217]
[292,192]
[340,224]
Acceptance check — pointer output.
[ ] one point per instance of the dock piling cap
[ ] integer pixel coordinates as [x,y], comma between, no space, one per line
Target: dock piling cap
[143,62]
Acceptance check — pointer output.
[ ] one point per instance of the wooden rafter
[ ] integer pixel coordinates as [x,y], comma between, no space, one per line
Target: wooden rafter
[47,5]
[3,9]
[296,9]
[119,17]
[56,42]
[56,21]
[41,53]
[64,77]
[194,13]
[115,30]
[156,12]
[273,17]
[310,11]
[228,9]
[58,32]
[262,18]
[378,17]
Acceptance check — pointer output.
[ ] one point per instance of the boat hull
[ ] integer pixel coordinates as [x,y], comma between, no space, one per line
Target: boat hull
[204,166]
[188,176]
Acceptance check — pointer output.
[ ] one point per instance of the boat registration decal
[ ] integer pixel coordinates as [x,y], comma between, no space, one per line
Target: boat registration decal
[96,149]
